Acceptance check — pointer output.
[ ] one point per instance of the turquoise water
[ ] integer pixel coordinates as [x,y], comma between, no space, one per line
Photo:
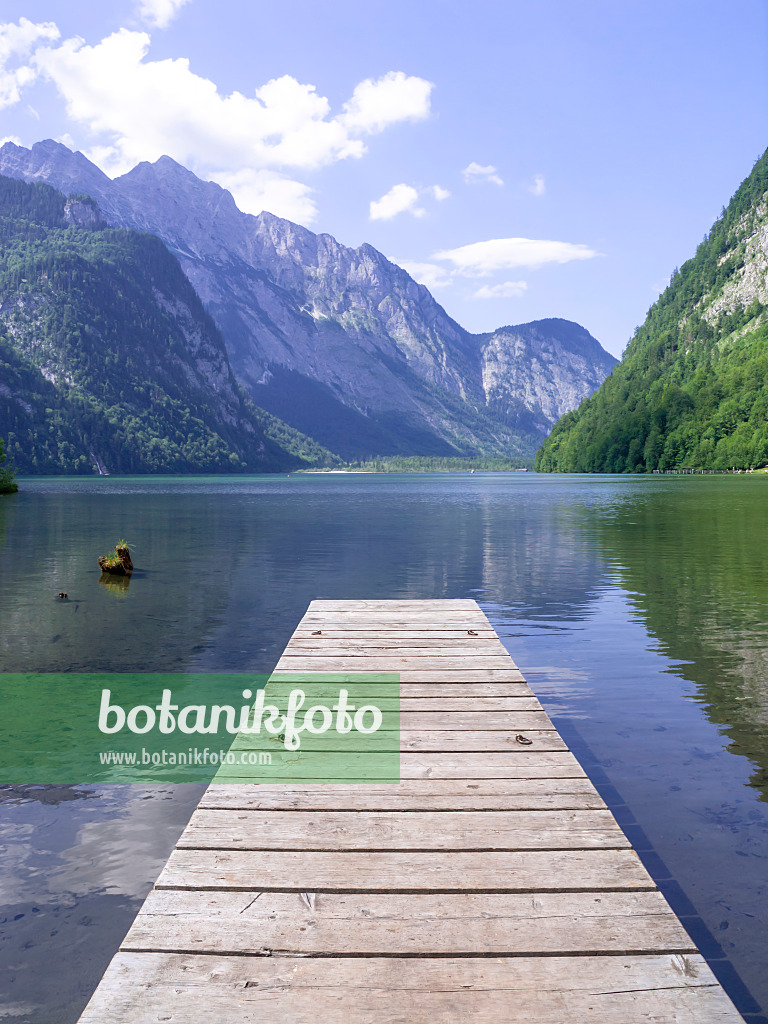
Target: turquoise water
[636,607]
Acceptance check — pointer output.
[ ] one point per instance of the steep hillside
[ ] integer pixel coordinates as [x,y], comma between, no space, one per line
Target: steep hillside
[339,342]
[108,361]
[692,388]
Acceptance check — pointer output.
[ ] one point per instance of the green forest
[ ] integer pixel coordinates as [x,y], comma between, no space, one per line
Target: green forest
[108,360]
[441,464]
[691,390]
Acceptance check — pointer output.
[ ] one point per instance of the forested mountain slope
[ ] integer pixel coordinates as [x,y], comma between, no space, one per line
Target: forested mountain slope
[692,388]
[108,361]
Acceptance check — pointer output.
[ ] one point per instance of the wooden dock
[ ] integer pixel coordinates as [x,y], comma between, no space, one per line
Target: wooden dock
[492,885]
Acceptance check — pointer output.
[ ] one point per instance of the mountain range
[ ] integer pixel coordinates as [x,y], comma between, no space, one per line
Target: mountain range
[108,361]
[340,343]
[692,388]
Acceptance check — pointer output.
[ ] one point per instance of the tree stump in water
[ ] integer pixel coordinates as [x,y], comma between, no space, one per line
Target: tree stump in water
[119,564]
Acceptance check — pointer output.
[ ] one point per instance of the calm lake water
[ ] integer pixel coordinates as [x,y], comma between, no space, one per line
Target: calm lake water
[636,607]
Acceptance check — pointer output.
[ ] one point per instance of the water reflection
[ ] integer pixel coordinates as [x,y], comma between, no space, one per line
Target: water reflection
[697,570]
[637,607]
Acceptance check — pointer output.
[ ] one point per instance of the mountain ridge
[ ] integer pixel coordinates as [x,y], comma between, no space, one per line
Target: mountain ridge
[340,342]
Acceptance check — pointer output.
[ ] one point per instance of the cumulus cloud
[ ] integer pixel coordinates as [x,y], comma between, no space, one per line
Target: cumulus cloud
[538,187]
[255,191]
[160,13]
[377,103]
[399,199]
[482,258]
[139,109]
[17,41]
[404,199]
[505,290]
[151,108]
[475,172]
[429,274]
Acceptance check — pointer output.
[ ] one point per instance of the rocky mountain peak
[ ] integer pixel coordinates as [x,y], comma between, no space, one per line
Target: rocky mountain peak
[338,341]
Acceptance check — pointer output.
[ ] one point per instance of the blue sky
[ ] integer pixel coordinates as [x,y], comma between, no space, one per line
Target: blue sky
[524,159]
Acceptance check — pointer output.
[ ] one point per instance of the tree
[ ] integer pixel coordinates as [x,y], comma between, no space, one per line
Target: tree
[7,483]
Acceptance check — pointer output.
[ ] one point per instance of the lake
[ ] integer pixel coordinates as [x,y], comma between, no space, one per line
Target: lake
[636,607]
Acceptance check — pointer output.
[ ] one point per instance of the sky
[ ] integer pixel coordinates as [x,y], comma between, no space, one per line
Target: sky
[522,158]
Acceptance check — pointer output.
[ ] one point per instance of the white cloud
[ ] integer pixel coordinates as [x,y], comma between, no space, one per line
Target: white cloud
[483,258]
[16,42]
[399,199]
[429,274]
[255,191]
[475,172]
[139,109]
[506,290]
[378,103]
[10,138]
[538,187]
[160,13]
[404,199]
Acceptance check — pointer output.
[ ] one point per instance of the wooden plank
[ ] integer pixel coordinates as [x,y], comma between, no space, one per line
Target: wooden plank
[480,740]
[449,691]
[405,604]
[329,646]
[402,830]
[535,764]
[446,720]
[446,676]
[426,740]
[393,871]
[416,924]
[376,633]
[410,702]
[663,989]
[421,697]
[421,794]
[389,663]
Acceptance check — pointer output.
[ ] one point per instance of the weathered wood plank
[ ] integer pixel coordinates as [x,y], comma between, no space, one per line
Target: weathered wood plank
[430,794]
[377,633]
[409,702]
[455,690]
[446,676]
[472,721]
[423,702]
[416,924]
[389,663]
[406,604]
[534,764]
[328,647]
[402,830]
[393,871]
[427,740]
[664,989]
